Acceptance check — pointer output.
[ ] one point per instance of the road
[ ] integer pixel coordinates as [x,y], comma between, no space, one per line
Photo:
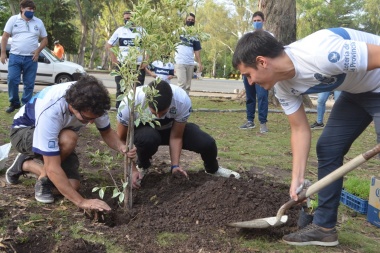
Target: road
[205,85]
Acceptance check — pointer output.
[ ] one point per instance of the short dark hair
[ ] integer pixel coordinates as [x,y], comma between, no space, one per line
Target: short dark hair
[253,44]
[163,101]
[258,13]
[192,14]
[127,12]
[89,94]
[27,3]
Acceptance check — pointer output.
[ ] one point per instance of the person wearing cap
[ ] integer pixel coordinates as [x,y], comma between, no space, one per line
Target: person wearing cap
[25,30]
[125,36]
[187,49]
[58,50]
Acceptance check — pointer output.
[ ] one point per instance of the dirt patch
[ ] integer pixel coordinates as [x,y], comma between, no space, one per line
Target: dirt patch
[169,214]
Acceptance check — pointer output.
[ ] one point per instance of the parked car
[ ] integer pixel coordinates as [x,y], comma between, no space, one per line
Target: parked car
[50,69]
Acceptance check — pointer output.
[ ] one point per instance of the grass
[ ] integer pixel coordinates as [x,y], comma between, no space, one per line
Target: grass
[244,149]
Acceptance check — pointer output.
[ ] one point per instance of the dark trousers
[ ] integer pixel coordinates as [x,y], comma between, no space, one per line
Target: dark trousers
[147,140]
[251,91]
[350,116]
[140,78]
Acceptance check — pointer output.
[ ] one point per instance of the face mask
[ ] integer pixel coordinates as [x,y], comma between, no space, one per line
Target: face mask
[257,25]
[29,14]
[126,21]
[190,23]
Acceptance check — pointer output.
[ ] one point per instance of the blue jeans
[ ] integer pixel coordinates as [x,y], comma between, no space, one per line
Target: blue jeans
[349,117]
[251,92]
[18,64]
[321,106]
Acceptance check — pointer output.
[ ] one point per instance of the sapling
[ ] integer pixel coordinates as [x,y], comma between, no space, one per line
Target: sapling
[162,24]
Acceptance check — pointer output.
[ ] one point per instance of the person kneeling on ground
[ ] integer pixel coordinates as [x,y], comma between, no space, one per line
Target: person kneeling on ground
[45,132]
[173,110]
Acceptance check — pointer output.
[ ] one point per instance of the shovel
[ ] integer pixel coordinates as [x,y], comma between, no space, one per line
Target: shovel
[281,219]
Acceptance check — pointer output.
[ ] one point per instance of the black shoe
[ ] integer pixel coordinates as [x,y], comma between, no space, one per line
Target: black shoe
[15,170]
[12,108]
[312,235]
[43,191]
[317,125]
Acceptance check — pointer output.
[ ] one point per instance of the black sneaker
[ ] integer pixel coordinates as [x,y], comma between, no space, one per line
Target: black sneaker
[247,125]
[15,170]
[312,235]
[43,191]
[317,125]
[12,108]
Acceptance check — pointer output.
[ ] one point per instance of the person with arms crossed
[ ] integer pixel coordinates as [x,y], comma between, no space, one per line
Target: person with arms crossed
[25,30]
[330,59]
[45,132]
[184,57]
[125,37]
[173,110]
[251,91]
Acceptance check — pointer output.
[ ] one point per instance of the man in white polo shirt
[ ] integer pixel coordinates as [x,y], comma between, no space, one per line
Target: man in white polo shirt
[125,37]
[25,30]
[184,57]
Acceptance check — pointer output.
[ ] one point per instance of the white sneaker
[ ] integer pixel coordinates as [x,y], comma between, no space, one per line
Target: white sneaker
[222,172]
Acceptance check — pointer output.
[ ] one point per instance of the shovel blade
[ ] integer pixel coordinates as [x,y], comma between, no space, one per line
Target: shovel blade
[260,223]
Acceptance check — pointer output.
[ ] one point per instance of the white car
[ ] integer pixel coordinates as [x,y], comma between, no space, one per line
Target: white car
[50,69]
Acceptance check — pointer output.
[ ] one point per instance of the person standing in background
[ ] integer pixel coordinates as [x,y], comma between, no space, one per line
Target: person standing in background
[251,91]
[321,108]
[125,36]
[25,30]
[58,50]
[184,57]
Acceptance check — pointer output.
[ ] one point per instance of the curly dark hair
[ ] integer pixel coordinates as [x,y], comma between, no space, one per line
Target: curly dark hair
[90,95]
[164,99]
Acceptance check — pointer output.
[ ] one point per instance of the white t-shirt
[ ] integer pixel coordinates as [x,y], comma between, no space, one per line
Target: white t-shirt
[179,108]
[163,70]
[25,34]
[185,50]
[125,37]
[49,112]
[330,59]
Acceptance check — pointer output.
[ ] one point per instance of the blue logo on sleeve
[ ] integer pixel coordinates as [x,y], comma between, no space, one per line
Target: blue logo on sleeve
[334,57]
[51,144]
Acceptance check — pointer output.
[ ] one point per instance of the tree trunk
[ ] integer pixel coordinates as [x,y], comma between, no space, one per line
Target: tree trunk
[280,19]
[84,26]
[94,38]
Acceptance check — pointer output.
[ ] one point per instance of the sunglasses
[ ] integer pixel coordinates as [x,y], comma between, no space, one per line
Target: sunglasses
[87,118]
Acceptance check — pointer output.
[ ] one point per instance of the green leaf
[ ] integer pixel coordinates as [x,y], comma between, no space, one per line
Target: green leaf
[115,193]
[95,189]
[101,192]
[121,197]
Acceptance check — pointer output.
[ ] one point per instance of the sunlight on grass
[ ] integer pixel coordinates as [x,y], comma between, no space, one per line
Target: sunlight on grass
[168,239]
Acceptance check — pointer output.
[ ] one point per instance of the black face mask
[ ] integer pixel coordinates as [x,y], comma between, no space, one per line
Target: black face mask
[126,21]
[190,23]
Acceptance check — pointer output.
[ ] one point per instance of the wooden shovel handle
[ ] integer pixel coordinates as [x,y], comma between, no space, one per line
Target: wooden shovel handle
[333,176]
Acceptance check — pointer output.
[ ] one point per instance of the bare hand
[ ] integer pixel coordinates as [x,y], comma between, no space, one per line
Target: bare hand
[170,77]
[132,153]
[94,204]
[3,58]
[36,54]
[200,67]
[180,171]
[136,179]
[293,189]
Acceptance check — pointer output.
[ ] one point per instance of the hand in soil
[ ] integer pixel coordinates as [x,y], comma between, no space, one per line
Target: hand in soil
[136,179]
[94,204]
[179,171]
